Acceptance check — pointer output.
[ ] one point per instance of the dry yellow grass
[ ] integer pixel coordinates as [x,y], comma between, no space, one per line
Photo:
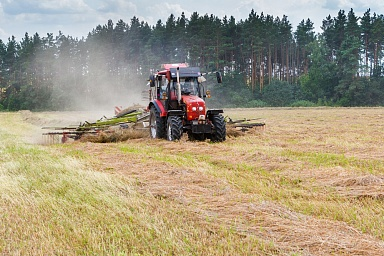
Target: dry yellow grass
[311,183]
[115,136]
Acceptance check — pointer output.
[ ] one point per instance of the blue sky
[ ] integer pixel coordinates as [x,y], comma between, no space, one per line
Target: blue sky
[78,17]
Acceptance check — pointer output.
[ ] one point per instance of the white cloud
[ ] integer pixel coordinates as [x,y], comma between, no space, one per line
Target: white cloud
[16,7]
[163,11]
[72,6]
[117,6]
[358,6]
[3,34]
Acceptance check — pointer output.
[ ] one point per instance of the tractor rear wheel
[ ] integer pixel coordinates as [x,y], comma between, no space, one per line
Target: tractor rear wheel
[174,128]
[156,124]
[220,131]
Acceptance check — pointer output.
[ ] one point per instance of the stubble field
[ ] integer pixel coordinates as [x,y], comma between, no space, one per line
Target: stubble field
[310,183]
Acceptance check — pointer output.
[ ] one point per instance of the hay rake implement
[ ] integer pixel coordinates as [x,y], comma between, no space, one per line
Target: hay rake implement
[245,124]
[126,119]
[136,119]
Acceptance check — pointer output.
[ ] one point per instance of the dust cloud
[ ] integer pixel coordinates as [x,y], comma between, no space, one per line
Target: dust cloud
[84,85]
[104,95]
[98,81]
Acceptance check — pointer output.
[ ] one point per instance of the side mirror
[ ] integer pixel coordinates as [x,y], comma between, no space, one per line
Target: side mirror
[152,81]
[219,77]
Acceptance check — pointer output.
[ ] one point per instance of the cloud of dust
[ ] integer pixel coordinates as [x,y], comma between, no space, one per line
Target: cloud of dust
[97,82]
[103,94]
[84,83]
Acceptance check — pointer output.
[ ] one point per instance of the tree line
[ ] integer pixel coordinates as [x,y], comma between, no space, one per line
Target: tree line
[264,61]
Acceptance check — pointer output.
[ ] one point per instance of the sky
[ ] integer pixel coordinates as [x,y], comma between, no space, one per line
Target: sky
[77,18]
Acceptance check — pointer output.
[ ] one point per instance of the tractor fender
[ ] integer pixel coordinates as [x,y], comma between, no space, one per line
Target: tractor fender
[213,112]
[159,107]
[176,112]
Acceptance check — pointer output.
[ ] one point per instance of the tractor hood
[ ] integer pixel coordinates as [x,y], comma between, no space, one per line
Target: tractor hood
[195,106]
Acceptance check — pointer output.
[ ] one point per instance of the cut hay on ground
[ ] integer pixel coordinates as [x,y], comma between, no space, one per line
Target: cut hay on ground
[115,136]
[309,184]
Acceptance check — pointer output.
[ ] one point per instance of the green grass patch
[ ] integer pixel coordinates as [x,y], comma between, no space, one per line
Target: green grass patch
[321,159]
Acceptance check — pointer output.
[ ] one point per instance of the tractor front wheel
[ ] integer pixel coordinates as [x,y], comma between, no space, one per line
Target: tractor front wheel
[220,131]
[156,124]
[174,128]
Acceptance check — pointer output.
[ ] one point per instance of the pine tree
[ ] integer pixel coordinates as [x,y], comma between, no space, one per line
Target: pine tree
[304,36]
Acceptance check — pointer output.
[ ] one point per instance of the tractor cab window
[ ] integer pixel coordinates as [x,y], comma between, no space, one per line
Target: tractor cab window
[189,86]
[163,85]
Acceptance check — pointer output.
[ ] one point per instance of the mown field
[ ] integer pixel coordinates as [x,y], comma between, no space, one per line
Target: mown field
[310,183]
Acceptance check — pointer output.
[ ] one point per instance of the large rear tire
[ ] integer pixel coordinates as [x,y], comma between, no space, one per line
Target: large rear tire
[156,124]
[174,128]
[220,131]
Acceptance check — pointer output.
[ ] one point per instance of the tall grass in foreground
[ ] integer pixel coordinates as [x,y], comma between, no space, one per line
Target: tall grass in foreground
[53,203]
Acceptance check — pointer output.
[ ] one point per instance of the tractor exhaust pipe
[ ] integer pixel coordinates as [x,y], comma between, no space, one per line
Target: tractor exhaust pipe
[178,85]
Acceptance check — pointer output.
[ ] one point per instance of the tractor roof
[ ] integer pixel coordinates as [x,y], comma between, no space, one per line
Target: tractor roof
[174,65]
[186,72]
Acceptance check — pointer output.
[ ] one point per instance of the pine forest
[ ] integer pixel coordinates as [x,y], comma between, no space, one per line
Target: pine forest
[265,62]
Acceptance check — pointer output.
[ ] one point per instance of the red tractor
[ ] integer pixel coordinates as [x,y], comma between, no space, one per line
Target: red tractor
[177,105]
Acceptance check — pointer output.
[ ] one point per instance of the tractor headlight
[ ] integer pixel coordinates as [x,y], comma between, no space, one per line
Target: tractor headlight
[201,109]
[194,108]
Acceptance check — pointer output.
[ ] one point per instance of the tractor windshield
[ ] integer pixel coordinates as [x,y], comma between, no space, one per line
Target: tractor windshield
[189,86]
